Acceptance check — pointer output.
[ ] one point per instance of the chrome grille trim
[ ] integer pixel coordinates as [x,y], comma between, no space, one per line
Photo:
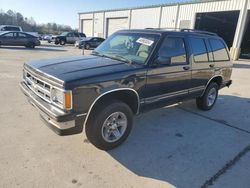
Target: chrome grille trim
[38,86]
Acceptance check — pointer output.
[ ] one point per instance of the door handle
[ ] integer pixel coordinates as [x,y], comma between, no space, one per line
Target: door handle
[211,65]
[186,67]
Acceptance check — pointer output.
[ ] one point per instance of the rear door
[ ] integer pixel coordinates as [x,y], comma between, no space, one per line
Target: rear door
[169,81]
[221,57]
[202,64]
[70,38]
[22,39]
[8,38]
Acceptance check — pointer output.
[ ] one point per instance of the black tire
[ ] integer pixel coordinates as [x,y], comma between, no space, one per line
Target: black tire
[30,45]
[95,125]
[62,42]
[203,102]
[87,46]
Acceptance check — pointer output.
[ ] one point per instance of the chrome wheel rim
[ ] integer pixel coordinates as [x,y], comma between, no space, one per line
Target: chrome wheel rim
[114,127]
[211,97]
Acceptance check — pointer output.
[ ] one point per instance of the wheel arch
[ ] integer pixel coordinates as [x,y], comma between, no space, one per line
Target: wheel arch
[126,95]
[217,79]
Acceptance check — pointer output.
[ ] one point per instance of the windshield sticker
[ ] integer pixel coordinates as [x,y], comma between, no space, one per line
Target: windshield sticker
[144,41]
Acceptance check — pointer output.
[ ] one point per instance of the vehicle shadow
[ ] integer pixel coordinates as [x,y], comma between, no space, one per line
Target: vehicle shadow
[38,48]
[182,148]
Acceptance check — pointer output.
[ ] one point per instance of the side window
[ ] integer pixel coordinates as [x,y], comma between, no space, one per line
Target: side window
[76,35]
[8,35]
[70,35]
[173,51]
[199,50]
[22,35]
[219,50]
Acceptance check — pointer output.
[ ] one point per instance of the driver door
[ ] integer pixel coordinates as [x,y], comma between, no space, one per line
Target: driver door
[170,77]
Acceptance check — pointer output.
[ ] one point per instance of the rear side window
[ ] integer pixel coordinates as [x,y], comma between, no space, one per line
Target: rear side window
[219,50]
[173,49]
[199,50]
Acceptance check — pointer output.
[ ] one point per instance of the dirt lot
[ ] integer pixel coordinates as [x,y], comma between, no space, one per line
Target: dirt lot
[176,146]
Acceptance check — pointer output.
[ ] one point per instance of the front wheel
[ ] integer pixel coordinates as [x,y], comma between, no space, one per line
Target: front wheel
[208,99]
[110,124]
[87,46]
[62,42]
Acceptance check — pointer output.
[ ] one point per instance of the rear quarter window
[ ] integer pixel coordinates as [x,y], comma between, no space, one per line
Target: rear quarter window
[199,49]
[219,50]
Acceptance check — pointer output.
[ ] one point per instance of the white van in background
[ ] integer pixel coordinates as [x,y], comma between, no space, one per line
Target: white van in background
[10,28]
[16,28]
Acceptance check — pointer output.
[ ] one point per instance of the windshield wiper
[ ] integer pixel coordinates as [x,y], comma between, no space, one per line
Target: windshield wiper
[116,57]
[124,59]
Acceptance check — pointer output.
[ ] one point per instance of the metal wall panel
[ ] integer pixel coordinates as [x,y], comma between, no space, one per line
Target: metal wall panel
[86,16]
[124,13]
[98,24]
[168,17]
[87,25]
[143,18]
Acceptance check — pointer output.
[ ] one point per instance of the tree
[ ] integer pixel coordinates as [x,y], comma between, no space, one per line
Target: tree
[29,24]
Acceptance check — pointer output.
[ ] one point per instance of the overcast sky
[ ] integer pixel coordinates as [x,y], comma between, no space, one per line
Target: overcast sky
[65,11]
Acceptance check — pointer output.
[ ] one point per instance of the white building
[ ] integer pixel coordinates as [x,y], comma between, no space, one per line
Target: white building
[228,18]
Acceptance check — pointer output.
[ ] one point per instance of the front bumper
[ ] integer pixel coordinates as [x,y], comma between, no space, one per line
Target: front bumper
[60,122]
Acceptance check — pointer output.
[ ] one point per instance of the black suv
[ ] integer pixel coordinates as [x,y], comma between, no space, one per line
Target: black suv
[69,38]
[130,72]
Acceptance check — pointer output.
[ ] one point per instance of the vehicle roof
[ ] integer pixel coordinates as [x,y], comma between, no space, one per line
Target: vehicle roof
[4,32]
[184,32]
[9,26]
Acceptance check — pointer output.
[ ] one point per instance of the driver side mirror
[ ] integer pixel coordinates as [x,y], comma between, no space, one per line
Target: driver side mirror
[161,61]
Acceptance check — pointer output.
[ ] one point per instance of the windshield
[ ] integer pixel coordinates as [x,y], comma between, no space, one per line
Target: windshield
[129,47]
[64,34]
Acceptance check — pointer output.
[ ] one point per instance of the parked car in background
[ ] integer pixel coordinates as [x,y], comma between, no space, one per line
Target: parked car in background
[89,42]
[132,71]
[69,38]
[18,38]
[10,28]
[52,38]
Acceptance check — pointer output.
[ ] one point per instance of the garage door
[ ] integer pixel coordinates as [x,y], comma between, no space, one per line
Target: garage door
[87,26]
[115,24]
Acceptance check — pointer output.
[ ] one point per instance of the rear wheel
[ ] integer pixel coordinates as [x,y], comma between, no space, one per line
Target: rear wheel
[30,45]
[109,125]
[208,99]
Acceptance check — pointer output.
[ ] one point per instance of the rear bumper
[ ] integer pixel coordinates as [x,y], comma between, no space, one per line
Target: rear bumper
[226,83]
[59,121]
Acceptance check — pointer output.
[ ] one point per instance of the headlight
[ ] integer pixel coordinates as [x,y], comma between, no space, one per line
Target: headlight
[61,98]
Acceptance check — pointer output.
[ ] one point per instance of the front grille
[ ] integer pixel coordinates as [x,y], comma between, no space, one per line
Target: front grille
[39,87]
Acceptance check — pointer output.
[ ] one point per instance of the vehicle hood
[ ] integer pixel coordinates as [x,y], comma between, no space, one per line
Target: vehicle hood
[78,68]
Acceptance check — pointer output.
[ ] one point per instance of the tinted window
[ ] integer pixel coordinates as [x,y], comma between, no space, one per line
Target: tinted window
[9,28]
[22,35]
[76,35]
[82,35]
[199,50]
[8,35]
[219,50]
[173,50]
[70,35]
